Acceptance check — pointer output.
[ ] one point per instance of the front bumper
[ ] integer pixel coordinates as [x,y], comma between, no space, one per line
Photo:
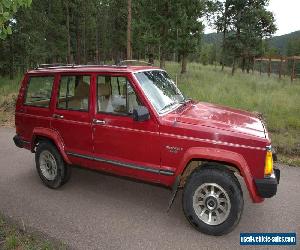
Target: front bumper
[267,187]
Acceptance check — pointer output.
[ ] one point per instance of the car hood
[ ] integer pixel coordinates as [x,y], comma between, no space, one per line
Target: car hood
[221,117]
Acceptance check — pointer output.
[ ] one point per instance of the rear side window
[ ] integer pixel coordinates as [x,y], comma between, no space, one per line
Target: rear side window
[39,91]
[74,93]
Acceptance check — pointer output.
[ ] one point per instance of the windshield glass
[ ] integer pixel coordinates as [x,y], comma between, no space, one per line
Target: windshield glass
[160,90]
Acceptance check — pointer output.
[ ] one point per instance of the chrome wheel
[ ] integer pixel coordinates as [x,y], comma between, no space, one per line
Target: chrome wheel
[48,165]
[211,203]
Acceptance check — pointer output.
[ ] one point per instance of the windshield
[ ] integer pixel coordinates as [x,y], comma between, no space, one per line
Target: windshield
[160,90]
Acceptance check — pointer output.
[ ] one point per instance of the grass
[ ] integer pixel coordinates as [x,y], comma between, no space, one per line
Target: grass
[12,238]
[278,100]
[8,94]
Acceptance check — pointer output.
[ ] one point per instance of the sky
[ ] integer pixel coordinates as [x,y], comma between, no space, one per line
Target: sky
[287,16]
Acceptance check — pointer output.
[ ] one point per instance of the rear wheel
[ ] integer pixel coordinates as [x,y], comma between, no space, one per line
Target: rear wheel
[213,201]
[50,165]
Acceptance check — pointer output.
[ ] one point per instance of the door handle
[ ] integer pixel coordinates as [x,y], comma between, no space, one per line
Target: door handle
[58,116]
[100,122]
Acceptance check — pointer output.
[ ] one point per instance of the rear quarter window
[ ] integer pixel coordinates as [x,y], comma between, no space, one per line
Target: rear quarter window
[39,91]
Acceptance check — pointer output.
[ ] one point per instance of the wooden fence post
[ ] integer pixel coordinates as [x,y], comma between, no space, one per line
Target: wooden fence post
[260,66]
[280,68]
[285,67]
[269,70]
[293,69]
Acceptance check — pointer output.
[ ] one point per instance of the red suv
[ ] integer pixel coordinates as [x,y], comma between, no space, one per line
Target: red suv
[133,121]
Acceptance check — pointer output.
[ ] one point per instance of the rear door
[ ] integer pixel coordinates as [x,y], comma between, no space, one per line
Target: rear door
[71,115]
[35,110]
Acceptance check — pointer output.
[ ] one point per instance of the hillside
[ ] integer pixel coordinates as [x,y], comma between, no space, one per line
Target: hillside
[278,42]
[281,42]
[212,38]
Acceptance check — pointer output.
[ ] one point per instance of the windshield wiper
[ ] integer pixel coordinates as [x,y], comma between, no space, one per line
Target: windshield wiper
[168,106]
[185,100]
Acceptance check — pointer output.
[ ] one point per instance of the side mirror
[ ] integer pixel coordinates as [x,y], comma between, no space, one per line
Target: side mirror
[140,114]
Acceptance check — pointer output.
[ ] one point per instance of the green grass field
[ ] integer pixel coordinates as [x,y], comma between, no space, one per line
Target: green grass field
[278,100]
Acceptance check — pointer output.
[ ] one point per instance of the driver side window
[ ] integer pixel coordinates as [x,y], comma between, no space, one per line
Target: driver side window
[115,95]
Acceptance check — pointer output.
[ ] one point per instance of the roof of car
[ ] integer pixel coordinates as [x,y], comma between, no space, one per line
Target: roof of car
[91,68]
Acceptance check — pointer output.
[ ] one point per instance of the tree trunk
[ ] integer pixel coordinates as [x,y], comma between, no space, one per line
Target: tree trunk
[11,58]
[248,65]
[224,34]
[68,33]
[84,40]
[233,66]
[129,50]
[159,52]
[162,61]
[97,52]
[184,63]
[78,47]
[243,64]
[97,42]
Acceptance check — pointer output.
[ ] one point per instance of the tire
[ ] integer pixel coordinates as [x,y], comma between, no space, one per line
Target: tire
[214,213]
[68,173]
[50,165]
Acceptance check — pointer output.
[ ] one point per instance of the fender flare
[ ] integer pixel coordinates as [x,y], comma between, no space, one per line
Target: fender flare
[222,155]
[54,136]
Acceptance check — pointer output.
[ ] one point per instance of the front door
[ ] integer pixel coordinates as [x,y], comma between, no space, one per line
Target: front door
[122,145]
[71,116]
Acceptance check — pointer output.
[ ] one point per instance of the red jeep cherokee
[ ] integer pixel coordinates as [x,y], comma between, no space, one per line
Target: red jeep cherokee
[133,121]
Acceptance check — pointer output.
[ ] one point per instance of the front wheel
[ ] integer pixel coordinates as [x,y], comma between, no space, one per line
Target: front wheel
[213,201]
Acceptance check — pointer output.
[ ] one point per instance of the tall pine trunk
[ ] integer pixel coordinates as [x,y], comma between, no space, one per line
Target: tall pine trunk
[233,66]
[97,42]
[162,61]
[11,58]
[243,63]
[248,64]
[68,33]
[84,40]
[237,54]
[129,50]
[78,45]
[224,34]
[184,63]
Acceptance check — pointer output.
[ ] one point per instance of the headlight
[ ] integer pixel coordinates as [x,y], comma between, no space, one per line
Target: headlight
[269,162]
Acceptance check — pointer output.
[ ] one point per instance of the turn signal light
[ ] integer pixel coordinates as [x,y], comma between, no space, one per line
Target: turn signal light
[269,163]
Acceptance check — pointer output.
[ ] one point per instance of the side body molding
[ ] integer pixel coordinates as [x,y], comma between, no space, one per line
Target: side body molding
[52,135]
[221,155]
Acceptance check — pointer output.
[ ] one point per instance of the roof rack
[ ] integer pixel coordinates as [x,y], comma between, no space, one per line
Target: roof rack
[42,66]
[58,66]
[121,64]
[132,62]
